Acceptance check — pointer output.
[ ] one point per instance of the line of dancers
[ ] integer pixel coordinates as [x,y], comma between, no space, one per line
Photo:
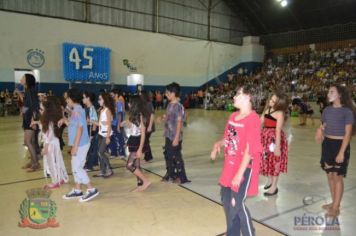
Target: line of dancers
[92,134]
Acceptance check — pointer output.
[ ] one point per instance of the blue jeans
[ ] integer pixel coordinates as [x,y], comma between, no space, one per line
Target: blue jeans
[238,218]
[117,143]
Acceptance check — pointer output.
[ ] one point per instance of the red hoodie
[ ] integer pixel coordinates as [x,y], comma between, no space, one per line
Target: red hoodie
[237,135]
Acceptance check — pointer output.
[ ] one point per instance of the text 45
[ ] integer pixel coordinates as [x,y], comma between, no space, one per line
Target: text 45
[75,58]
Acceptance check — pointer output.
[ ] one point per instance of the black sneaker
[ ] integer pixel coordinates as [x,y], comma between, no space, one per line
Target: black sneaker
[72,194]
[89,195]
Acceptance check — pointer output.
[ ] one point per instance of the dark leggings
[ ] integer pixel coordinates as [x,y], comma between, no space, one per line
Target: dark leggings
[117,143]
[148,153]
[92,156]
[133,164]
[105,166]
[30,142]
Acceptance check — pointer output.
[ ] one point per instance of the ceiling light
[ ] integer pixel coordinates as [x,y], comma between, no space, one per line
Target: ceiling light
[278,0]
[284,3]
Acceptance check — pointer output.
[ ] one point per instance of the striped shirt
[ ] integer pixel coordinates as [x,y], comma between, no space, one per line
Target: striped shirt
[336,118]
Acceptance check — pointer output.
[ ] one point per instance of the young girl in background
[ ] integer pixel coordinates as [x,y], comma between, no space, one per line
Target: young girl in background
[150,126]
[53,164]
[239,177]
[274,142]
[338,125]
[117,144]
[30,112]
[92,118]
[136,126]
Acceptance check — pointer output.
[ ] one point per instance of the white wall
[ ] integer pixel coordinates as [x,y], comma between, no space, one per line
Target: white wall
[161,58]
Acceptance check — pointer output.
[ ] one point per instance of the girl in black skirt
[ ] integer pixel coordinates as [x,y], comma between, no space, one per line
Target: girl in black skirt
[338,125]
[30,111]
[136,127]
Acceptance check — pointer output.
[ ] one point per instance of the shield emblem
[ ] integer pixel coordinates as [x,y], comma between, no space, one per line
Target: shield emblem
[39,210]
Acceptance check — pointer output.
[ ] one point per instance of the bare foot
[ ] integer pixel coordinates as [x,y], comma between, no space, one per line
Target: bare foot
[327,206]
[333,212]
[135,189]
[52,186]
[28,165]
[144,186]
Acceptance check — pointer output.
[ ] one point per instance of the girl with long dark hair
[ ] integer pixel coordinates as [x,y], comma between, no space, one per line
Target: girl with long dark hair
[53,164]
[105,123]
[136,128]
[30,112]
[337,127]
[92,118]
[117,144]
[150,126]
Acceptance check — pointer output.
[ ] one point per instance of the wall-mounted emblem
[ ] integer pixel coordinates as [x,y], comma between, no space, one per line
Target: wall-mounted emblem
[35,58]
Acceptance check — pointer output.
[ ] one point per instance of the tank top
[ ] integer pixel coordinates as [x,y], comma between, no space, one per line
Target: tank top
[103,127]
[269,120]
[134,130]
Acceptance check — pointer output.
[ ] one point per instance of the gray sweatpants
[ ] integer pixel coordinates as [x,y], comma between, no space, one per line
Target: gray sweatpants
[78,162]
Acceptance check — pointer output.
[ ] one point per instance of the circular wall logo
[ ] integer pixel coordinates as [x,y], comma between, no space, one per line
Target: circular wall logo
[35,58]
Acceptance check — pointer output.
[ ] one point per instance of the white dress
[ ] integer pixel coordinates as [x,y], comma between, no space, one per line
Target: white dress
[53,163]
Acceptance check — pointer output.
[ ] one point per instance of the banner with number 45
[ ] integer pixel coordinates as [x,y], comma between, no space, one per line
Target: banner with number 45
[86,63]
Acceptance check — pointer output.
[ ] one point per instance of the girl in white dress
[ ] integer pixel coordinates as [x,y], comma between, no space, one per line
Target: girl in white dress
[53,163]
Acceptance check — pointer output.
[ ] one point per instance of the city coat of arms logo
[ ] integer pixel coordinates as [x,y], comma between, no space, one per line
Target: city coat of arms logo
[38,211]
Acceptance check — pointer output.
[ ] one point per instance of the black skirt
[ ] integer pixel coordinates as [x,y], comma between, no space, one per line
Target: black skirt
[330,149]
[133,143]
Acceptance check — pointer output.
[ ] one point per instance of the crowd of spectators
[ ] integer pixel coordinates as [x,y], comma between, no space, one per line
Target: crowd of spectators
[305,75]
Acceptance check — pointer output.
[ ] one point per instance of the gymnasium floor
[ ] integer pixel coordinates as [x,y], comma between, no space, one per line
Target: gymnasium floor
[168,209]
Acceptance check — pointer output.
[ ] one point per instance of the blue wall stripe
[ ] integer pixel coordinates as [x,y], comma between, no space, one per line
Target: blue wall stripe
[60,88]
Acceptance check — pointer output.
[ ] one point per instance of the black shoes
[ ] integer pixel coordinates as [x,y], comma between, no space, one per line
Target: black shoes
[271,194]
[90,194]
[267,187]
[100,175]
[108,175]
[73,194]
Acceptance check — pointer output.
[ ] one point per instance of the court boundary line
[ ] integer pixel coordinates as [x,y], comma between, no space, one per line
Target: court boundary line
[262,221]
[39,178]
[299,207]
[218,203]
